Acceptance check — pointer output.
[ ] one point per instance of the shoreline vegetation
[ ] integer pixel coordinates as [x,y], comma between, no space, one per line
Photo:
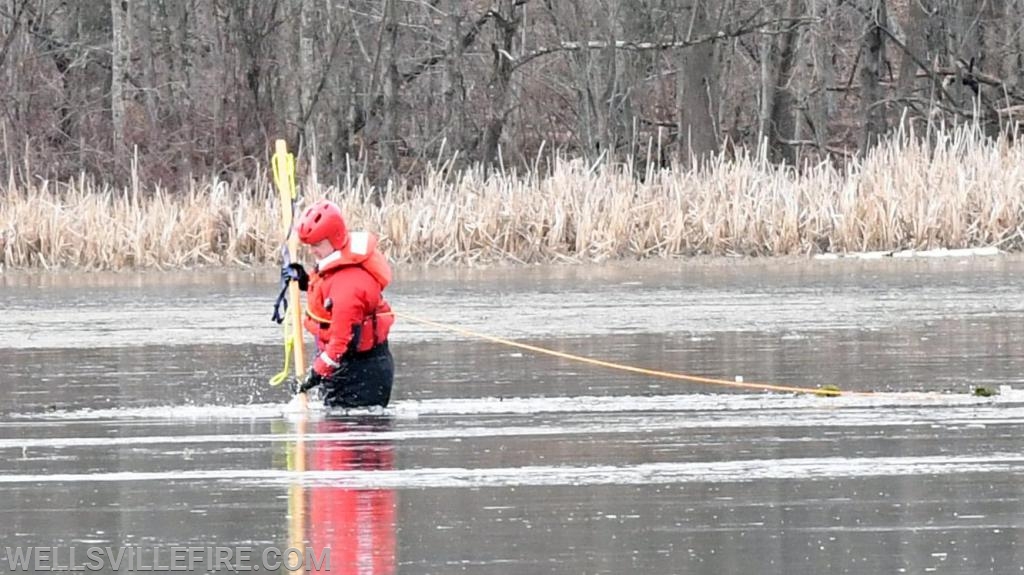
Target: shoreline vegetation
[960,190]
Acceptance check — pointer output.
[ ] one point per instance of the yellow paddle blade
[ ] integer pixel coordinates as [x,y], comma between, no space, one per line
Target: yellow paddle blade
[283,166]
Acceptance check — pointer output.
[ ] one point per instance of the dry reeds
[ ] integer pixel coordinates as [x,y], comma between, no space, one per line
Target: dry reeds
[960,190]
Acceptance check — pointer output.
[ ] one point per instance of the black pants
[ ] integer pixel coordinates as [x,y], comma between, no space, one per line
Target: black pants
[363,380]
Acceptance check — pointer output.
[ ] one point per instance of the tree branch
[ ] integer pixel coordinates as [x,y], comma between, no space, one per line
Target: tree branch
[16,17]
[467,40]
[434,59]
[634,46]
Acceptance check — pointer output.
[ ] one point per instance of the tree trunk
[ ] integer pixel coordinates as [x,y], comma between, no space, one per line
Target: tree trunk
[610,70]
[872,62]
[574,28]
[145,16]
[778,113]
[339,93]
[987,61]
[285,61]
[119,18]
[506,23]
[454,100]
[1013,63]
[767,80]
[967,55]
[695,116]
[389,128]
[307,87]
[916,48]
[821,102]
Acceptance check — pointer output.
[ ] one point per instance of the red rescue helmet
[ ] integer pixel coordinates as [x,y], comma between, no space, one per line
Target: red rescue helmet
[323,221]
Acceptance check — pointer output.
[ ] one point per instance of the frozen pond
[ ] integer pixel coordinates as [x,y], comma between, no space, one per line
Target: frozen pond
[136,412]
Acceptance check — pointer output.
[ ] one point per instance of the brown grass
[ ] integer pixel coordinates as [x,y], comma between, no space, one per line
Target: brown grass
[962,191]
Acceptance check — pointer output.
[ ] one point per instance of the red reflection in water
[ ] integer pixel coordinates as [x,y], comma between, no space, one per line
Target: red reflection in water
[357,525]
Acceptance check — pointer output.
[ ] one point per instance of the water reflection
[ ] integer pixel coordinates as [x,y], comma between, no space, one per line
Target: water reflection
[118,434]
[355,527]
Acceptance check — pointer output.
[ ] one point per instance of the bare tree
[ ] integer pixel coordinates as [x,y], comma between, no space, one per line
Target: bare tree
[873,62]
[380,87]
[391,81]
[696,89]
[144,23]
[821,102]
[454,98]
[778,51]
[119,18]
[506,18]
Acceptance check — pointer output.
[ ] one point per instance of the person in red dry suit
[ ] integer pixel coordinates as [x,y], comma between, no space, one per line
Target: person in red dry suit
[357,525]
[346,311]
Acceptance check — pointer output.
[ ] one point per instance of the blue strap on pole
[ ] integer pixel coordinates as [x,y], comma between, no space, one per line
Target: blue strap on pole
[287,275]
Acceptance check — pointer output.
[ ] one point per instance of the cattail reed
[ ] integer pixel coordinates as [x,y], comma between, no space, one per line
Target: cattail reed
[959,190]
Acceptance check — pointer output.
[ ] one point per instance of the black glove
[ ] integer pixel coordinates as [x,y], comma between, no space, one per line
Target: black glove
[313,379]
[299,275]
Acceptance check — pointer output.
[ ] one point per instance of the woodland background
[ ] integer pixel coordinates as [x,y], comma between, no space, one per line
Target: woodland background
[172,90]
